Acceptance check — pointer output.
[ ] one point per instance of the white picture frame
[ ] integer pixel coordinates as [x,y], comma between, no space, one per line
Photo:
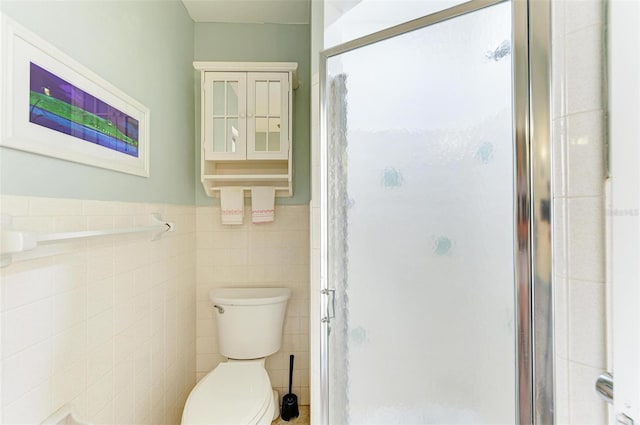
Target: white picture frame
[21,50]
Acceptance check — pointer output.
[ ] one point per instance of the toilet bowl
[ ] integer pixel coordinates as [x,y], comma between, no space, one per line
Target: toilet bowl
[238,391]
[232,393]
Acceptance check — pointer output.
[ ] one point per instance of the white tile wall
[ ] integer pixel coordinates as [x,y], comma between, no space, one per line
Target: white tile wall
[271,255]
[579,222]
[107,324]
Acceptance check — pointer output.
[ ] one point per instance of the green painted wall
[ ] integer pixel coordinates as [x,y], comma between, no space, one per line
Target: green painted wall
[145,48]
[262,43]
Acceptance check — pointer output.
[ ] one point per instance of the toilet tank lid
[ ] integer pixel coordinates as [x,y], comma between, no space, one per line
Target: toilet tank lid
[249,296]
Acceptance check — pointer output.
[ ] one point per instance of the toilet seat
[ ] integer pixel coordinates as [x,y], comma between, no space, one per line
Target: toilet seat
[235,393]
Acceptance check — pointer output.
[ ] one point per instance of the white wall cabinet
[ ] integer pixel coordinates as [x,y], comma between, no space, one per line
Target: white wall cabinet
[246,128]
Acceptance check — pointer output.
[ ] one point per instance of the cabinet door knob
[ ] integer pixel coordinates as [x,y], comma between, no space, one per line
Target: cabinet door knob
[249,114]
[241,114]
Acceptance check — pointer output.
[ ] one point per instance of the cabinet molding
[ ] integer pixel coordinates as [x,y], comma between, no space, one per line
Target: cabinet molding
[251,67]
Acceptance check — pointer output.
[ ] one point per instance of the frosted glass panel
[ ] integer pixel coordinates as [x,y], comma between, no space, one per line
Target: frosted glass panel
[232,134]
[274,135]
[346,20]
[232,98]
[274,98]
[218,98]
[261,134]
[219,144]
[421,226]
[262,98]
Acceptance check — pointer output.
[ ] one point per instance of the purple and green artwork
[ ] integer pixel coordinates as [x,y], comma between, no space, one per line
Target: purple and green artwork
[59,105]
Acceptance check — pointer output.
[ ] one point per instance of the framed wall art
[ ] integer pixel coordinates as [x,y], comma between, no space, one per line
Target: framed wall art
[54,106]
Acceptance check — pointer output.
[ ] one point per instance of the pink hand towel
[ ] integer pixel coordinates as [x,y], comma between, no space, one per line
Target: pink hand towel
[262,204]
[232,205]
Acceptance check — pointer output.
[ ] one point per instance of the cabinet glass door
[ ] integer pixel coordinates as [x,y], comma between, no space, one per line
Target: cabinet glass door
[267,124]
[225,122]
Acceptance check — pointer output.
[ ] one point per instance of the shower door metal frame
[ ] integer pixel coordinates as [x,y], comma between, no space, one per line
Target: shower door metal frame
[531,47]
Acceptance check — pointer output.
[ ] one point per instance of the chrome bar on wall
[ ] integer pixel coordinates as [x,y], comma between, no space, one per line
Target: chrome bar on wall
[522,209]
[532,23]
[539,29]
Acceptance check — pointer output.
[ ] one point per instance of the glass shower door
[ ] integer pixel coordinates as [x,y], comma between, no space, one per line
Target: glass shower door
[420,226]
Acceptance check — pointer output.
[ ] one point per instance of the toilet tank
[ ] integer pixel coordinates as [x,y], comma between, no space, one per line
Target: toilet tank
[249,320]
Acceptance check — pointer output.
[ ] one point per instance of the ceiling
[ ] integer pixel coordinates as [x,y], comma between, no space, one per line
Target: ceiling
[249,11]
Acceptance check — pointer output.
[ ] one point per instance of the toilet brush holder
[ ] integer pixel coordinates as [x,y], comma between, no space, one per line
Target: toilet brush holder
[290,401]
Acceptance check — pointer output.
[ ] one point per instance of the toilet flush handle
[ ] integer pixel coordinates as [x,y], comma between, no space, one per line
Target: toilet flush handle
[220,309]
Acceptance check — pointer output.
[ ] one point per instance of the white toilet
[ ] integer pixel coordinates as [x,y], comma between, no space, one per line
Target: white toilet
[238,392]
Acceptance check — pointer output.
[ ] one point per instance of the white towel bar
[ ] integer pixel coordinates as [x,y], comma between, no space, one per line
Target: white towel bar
[14,241]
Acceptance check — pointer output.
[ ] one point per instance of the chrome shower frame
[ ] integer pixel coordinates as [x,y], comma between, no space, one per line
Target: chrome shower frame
[531,23]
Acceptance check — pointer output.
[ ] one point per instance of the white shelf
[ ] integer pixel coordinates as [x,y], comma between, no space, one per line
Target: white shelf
[246,177]
[280,182]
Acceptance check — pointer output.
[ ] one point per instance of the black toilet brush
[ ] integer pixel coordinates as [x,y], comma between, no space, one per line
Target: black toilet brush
[290,401]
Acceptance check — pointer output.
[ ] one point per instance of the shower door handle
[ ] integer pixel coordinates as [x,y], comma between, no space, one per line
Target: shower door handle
[604,387]
[331,304]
